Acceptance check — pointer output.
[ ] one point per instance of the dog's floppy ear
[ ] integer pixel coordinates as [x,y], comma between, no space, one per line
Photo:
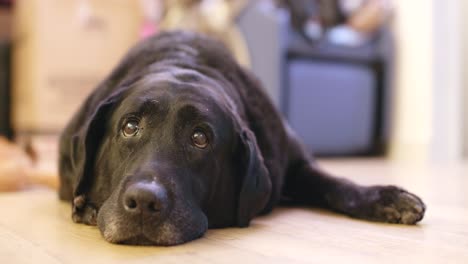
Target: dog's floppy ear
[79,144]
[255,187]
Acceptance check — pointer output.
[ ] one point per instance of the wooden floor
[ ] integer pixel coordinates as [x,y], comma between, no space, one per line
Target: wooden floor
[36,228]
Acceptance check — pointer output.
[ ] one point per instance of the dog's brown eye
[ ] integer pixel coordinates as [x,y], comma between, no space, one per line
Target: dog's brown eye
[199,139]
[130,129]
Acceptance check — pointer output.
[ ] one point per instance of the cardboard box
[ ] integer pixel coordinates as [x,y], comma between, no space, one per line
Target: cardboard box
[62,50]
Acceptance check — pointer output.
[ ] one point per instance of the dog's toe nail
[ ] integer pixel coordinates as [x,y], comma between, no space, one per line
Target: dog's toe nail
[76,218]
[79,201]
[391,215]
[409,218]
[92,217]
[418,208]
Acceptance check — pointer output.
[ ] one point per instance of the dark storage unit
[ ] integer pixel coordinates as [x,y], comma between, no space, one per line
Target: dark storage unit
[5,124]
[331,106]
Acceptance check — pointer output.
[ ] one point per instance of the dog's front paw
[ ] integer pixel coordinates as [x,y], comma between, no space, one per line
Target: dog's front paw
[394,205]
[82,212]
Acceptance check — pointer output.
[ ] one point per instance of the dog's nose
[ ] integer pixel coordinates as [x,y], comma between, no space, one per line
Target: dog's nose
[147,198]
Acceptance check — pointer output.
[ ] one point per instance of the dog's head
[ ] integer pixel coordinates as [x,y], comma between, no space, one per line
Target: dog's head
[162,158]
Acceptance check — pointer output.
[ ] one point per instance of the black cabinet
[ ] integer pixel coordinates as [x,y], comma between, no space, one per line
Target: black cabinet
[5,121]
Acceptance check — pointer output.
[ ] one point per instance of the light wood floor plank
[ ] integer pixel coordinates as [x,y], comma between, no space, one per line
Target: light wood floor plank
[36,228]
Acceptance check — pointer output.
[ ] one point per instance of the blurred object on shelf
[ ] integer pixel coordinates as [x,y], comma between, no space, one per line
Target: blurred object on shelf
[345,35]
[342,22]
[214,17]
[6,23]
[63,49]
[7,3]
[15,167]
[19,172]
[152,14]
[317,14]
[370,15]
[43,151]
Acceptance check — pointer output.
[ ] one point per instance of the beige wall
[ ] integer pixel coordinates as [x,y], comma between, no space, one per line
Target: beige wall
[429,100]
[447,110]
[411,133]
[464,10]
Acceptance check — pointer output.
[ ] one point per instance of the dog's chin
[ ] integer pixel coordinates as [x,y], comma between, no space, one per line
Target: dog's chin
[138,240]
[176,229]
[165,235]
[142,240]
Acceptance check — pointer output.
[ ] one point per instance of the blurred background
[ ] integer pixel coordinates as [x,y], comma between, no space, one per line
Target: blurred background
[355,78]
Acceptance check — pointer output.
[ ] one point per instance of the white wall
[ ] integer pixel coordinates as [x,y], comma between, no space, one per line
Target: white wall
[447,125]
[429,111]
[464,26]
[411,134]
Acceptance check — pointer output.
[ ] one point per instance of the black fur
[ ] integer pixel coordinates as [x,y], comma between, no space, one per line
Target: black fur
[175,84]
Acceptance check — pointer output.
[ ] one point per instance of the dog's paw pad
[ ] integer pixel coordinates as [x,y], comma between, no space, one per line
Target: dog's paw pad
[395,205]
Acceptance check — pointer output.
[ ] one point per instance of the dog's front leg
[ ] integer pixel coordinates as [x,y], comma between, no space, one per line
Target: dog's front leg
[306,183]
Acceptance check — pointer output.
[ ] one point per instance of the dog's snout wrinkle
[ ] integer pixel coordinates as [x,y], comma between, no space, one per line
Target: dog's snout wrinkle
[145,198]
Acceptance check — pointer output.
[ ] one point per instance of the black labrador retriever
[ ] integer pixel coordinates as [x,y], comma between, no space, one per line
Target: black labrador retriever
[179,138]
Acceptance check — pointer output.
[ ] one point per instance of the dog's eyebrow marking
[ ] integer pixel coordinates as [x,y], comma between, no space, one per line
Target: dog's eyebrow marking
[191,112]
[175,75]
[149,105]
